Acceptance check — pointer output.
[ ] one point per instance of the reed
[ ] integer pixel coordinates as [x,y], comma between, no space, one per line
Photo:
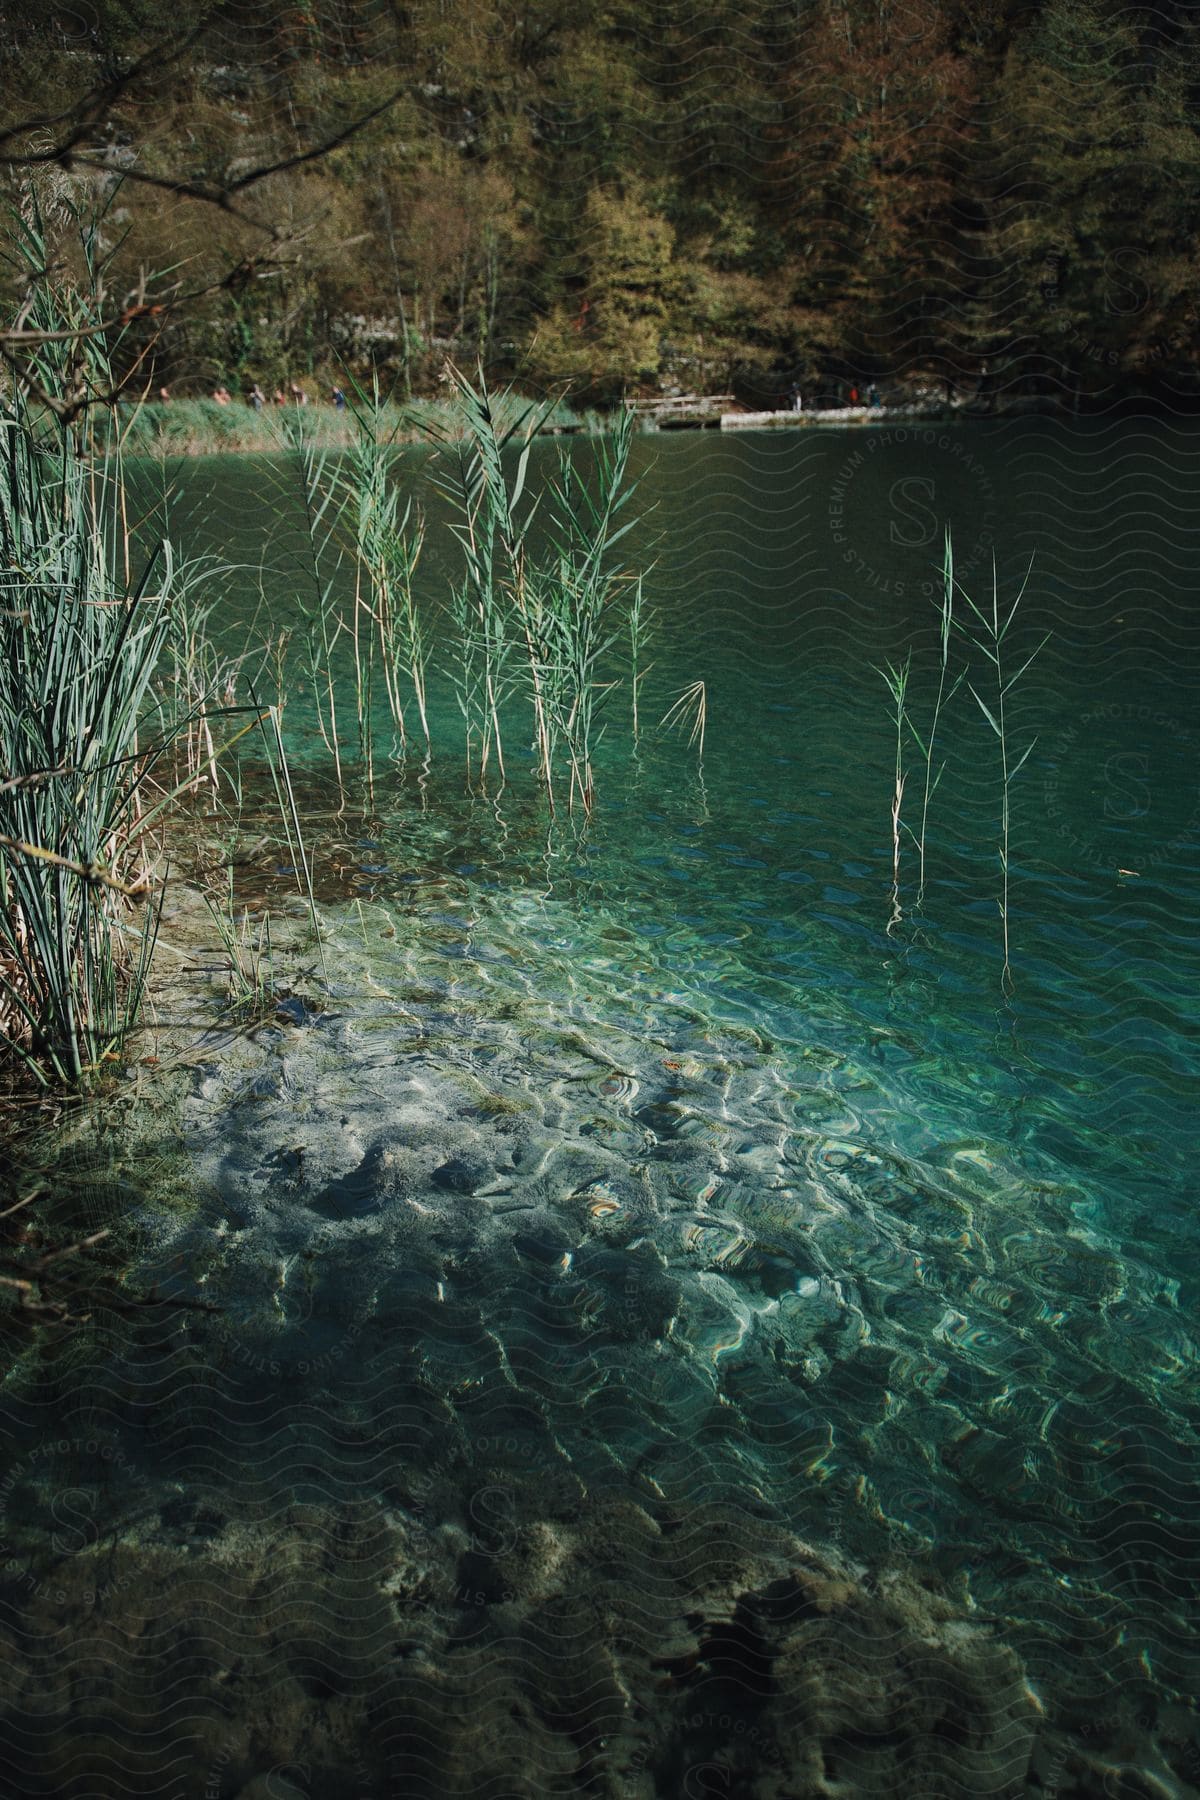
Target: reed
[249,956]
[386,543]
[991,644]
[78,650]
[896,678]
[544,620]
[88,620]
[946,626]
[586,605]
[81,634]
[312,494]
[195,677]
[639,630]
[689,712]
[494,606]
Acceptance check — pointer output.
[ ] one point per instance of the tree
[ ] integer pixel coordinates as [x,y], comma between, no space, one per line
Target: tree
[609,333]
[83,131]
[877,107]
[1070,175]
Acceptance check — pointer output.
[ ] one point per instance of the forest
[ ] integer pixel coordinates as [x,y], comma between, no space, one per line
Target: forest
[632,198]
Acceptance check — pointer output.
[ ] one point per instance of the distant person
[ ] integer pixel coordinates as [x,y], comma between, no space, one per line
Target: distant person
[339,399]
[797,400]
[873,395]
[279,397]
[257,398]
[221,395]
[164,394]
[298,394]
[854,396]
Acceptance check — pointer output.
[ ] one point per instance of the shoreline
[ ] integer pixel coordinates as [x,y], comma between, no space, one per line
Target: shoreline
[207,428]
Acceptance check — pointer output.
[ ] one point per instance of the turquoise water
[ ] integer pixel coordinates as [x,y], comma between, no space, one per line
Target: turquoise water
[681,1322]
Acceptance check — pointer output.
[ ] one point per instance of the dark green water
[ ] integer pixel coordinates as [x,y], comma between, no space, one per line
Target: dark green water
[682,1327]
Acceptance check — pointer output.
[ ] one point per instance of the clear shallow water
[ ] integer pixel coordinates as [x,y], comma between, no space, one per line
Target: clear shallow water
[644,1280]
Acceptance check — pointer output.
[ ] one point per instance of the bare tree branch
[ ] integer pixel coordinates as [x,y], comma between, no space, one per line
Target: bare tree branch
[71,152]
[334,143]
[220,194]
[91,108]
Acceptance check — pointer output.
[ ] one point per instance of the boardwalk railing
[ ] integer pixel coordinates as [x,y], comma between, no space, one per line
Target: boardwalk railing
[683,409]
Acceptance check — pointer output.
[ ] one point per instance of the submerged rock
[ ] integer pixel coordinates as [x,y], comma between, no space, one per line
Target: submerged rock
[605,1649]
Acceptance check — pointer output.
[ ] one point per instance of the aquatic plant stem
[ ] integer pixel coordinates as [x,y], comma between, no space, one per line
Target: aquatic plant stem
[691,704]
[931,780]
[991,646]
[896,679]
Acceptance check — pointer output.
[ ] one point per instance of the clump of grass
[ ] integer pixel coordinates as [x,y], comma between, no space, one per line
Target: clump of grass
[249,957]
[549,625]
[544,623]
[493,603]
[85,621]
[81,633]
[589,599]
[78,649]
[386,540]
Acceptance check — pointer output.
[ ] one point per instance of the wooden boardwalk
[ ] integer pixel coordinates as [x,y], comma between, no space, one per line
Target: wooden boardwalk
[684,412]
[712,412]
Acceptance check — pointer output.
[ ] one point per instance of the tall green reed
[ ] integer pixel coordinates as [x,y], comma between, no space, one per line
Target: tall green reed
[990,641]
[639,626]
[587,595]
[991,644]
[78,649]
[540,617]
[896,678]
[307,480]
[494,607]
[81,634]
[928,748]
[386,539]
[86,621]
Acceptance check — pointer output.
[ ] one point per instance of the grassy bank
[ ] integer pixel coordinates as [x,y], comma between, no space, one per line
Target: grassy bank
[207,428]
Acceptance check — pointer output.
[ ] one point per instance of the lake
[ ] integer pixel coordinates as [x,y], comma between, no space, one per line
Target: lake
[663,1312]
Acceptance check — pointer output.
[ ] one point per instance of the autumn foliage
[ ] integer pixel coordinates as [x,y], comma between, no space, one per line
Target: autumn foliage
[698,197]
